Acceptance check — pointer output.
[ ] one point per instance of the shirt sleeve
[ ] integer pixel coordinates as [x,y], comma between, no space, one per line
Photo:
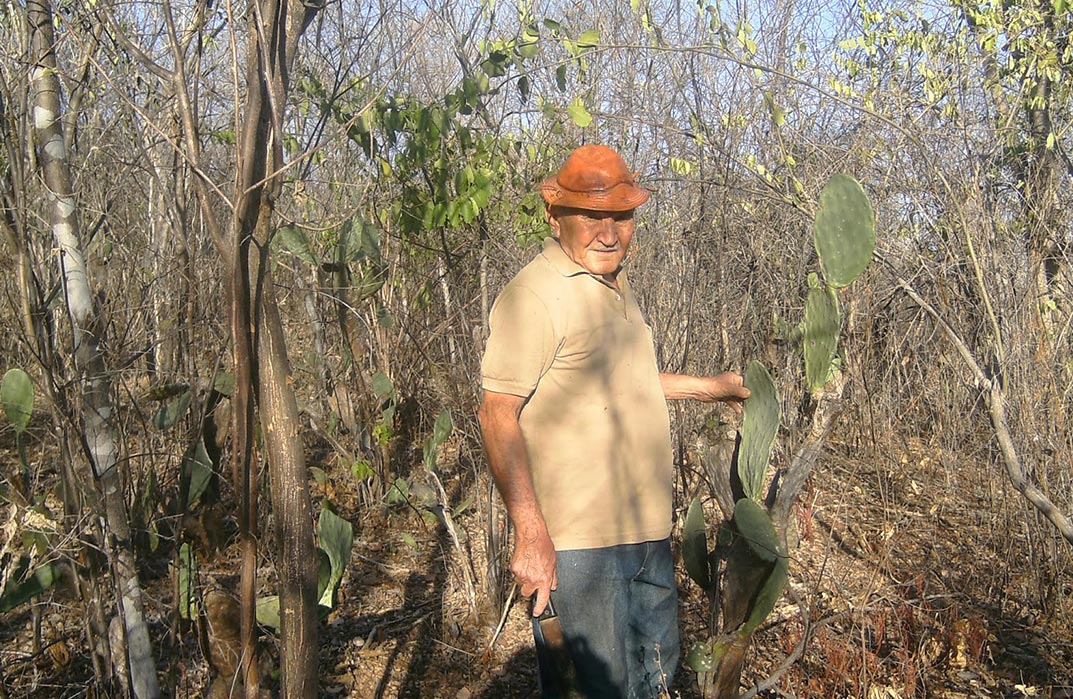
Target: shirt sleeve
[521,343]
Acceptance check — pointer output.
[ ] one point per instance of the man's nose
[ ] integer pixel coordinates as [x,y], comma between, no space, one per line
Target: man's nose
[607,234]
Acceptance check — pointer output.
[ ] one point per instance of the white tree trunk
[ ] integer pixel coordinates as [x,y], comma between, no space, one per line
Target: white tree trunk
[98,411]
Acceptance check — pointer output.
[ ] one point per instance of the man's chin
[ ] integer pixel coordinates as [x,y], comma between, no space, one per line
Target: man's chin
[604,267]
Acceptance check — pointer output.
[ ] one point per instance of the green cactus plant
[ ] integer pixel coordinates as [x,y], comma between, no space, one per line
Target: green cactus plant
[823,321]
[695,546]
[753,566]
[762,415]
[17,396]
[845,231]
[754,525]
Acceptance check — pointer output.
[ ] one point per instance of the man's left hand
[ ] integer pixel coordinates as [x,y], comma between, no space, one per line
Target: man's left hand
[728,388]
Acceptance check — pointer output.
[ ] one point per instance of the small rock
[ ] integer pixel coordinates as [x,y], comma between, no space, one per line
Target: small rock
[464,693]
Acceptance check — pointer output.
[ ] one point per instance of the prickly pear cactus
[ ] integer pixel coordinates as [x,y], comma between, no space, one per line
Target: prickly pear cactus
[762,415]
[845,231]
[823,321]
[695,546]
[754,524]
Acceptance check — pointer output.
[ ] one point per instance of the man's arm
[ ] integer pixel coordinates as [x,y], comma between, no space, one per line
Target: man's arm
[533,563]
[728,387]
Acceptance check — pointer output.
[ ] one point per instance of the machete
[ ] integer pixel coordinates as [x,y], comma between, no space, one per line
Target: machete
[562,664]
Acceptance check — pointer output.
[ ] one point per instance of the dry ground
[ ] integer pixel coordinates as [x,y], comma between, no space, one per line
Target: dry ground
[915,576]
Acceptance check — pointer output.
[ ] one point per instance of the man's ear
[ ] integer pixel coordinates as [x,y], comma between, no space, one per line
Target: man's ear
[552,220]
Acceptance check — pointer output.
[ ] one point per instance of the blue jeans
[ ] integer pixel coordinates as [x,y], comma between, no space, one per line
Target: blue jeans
[618,607]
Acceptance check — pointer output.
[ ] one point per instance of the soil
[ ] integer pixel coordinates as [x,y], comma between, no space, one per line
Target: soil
[911,578]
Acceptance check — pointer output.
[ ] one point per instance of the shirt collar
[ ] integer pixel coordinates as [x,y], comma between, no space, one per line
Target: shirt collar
[554,254]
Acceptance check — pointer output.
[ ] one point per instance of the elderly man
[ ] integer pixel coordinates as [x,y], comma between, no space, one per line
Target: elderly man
[577,432]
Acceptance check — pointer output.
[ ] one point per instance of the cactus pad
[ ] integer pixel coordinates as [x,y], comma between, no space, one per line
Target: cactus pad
[695,546]
[762,415]
[17,395]
[823,321]
[755,526]
[768,595]
[845,230]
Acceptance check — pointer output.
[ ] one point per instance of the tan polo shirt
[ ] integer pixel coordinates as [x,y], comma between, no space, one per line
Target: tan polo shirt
[596,425]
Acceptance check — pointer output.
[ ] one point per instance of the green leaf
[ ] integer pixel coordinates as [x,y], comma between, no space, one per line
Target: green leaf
[695,546]
[761,423]
[348,248]
[778,115]
[336,537]
[681,167]
[268,612]
[578,113]
[172,411]
[295,241]
[1059,7]
[17,395]
[324,580]
[362,470]
[560,78]
[823,322]
[187,582]
[154,536]
[589,39]
[197,469]
[440,432]
[443,427]
[399,492]
[225,383]
[382,386]
[369,279]
[463,506]
[40,581]
[529,47]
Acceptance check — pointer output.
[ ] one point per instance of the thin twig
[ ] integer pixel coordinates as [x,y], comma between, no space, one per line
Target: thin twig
[502,618]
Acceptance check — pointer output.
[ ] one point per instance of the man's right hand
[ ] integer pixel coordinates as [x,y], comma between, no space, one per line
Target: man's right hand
[533,565]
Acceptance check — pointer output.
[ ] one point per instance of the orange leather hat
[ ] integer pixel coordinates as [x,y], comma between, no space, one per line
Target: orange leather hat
[594,177]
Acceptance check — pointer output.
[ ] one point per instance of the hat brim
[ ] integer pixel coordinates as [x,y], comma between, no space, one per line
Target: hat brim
[621,197]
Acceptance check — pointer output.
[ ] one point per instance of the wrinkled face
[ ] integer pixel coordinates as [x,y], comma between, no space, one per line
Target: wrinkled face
[596,240]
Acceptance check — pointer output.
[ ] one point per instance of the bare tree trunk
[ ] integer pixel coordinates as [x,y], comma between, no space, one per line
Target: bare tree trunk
[98,411]
[297,565]
[275,28]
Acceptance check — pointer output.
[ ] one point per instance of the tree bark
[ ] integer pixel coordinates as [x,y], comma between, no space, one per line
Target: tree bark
[99,434]
[275,28]
[296,562]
